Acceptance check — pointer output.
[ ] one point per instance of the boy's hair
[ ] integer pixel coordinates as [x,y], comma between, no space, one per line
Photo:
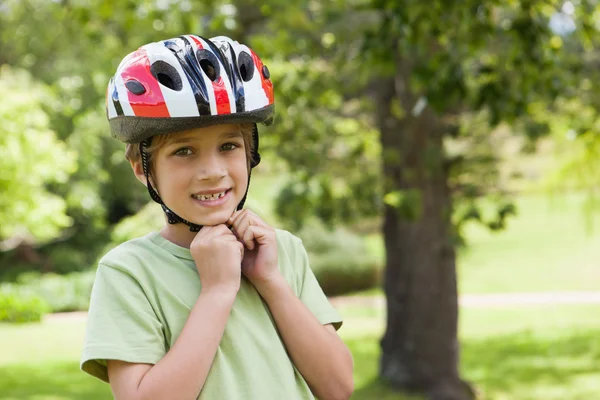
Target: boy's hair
[132,151]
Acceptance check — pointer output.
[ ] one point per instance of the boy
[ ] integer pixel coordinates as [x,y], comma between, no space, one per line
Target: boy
[217,305]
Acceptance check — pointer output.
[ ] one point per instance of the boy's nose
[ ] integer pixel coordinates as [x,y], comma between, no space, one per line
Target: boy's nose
[210,169]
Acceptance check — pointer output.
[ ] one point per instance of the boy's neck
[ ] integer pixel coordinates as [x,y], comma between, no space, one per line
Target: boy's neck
[178,234]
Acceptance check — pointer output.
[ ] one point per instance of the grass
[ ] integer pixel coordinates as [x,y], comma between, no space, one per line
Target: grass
[517,353]
[40,362]
[551,245]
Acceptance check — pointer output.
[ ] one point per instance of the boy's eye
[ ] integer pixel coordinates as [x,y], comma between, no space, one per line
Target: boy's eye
[229,146]
[184,151]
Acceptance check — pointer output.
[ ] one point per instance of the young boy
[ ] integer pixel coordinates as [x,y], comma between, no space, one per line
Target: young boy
[218,304]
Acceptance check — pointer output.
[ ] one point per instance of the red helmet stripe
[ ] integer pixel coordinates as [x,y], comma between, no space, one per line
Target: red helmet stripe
[219,88]
[221,96]
[267,85]
[197,41]
[152,102]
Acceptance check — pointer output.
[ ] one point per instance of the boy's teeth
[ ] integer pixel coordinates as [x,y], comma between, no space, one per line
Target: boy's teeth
[209,196]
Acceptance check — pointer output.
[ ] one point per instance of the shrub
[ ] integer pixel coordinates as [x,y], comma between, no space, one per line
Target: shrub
[62,293]
[340,259]
[20,305]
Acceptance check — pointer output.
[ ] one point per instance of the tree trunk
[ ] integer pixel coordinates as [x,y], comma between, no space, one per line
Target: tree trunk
[420,347]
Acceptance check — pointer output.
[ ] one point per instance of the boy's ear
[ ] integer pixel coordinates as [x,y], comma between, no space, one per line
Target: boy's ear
[138,170]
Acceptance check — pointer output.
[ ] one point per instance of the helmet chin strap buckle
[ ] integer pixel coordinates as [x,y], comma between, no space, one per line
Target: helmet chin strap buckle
[171,217]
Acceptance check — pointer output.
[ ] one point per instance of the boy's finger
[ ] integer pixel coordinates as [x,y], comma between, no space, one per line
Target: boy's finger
[258,235]
[240,223]
[210,232]
[248,238]
[256,220]
[235,216]
[243,221]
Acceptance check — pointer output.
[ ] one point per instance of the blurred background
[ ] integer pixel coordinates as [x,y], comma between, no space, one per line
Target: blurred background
[419,147]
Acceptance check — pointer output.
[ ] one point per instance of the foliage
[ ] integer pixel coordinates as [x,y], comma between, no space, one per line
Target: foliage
[150,218]
[49,292]
[62,293]
[339,259]
[31,159]
[75,59]
[20,305]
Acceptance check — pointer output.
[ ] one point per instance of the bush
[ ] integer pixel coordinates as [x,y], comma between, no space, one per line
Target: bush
[62,293]
[340,259]
[20,305]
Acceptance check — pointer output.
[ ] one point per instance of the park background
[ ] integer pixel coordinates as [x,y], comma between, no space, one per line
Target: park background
[404,129]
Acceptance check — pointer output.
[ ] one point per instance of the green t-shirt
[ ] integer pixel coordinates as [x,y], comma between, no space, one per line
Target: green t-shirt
[142,296]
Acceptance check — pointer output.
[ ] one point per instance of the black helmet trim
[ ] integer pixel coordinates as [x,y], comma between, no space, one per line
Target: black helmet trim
[136,129]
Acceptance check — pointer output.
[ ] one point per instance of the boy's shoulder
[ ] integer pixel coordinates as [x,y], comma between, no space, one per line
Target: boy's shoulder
[286,236]
[127,253]
[287,239]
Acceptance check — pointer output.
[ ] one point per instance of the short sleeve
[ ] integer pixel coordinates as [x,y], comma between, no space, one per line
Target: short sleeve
[121,325]
[310,292]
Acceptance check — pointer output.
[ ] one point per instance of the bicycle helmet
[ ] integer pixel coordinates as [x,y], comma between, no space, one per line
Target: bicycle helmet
[185,83]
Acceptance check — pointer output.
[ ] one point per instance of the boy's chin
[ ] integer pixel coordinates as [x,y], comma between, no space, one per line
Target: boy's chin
[214,219]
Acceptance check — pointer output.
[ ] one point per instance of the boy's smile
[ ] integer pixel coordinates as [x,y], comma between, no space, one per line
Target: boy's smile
[212,197]
[202,175]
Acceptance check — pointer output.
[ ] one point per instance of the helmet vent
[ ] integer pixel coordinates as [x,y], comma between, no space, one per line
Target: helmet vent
[167,75]
[135,87]
[266,72]
[209,64]
[246,66]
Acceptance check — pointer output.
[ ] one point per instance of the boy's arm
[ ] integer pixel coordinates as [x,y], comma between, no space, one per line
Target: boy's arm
[181,373]
[316,350]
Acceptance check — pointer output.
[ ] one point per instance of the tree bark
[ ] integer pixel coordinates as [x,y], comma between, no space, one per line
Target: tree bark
[420,349]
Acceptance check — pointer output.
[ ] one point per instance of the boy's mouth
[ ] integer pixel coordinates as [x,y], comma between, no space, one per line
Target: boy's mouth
[211,196]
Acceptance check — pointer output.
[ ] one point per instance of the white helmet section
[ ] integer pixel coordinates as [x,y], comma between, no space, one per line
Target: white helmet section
[220,84]
[180,103]
[255,96]
[253,89]
[110,106]
[117,84]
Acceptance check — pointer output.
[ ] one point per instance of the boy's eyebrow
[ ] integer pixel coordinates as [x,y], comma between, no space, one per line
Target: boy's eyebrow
[228,135]
[189,138]
[180,139]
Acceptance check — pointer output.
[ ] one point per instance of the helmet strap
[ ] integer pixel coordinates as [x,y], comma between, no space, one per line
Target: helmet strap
[172,218]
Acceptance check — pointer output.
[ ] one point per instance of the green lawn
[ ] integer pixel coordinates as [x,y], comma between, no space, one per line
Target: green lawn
[546,247]
[524,353]
[513,353]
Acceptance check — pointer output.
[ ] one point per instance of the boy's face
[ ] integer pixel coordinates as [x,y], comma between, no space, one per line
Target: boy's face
[202,174]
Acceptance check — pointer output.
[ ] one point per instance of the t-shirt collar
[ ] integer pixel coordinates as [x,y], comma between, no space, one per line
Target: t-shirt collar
[176,250]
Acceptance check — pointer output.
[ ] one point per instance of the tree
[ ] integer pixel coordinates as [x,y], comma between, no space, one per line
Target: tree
[31,161]
[429,69]
[74,57]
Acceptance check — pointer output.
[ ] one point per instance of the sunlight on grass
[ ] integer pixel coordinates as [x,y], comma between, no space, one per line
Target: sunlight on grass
[50,381]
[517,353]
[546,247]
[533,366]
[49,341]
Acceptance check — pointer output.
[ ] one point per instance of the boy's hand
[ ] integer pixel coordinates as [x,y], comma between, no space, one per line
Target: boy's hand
[260,256]
[218,256]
